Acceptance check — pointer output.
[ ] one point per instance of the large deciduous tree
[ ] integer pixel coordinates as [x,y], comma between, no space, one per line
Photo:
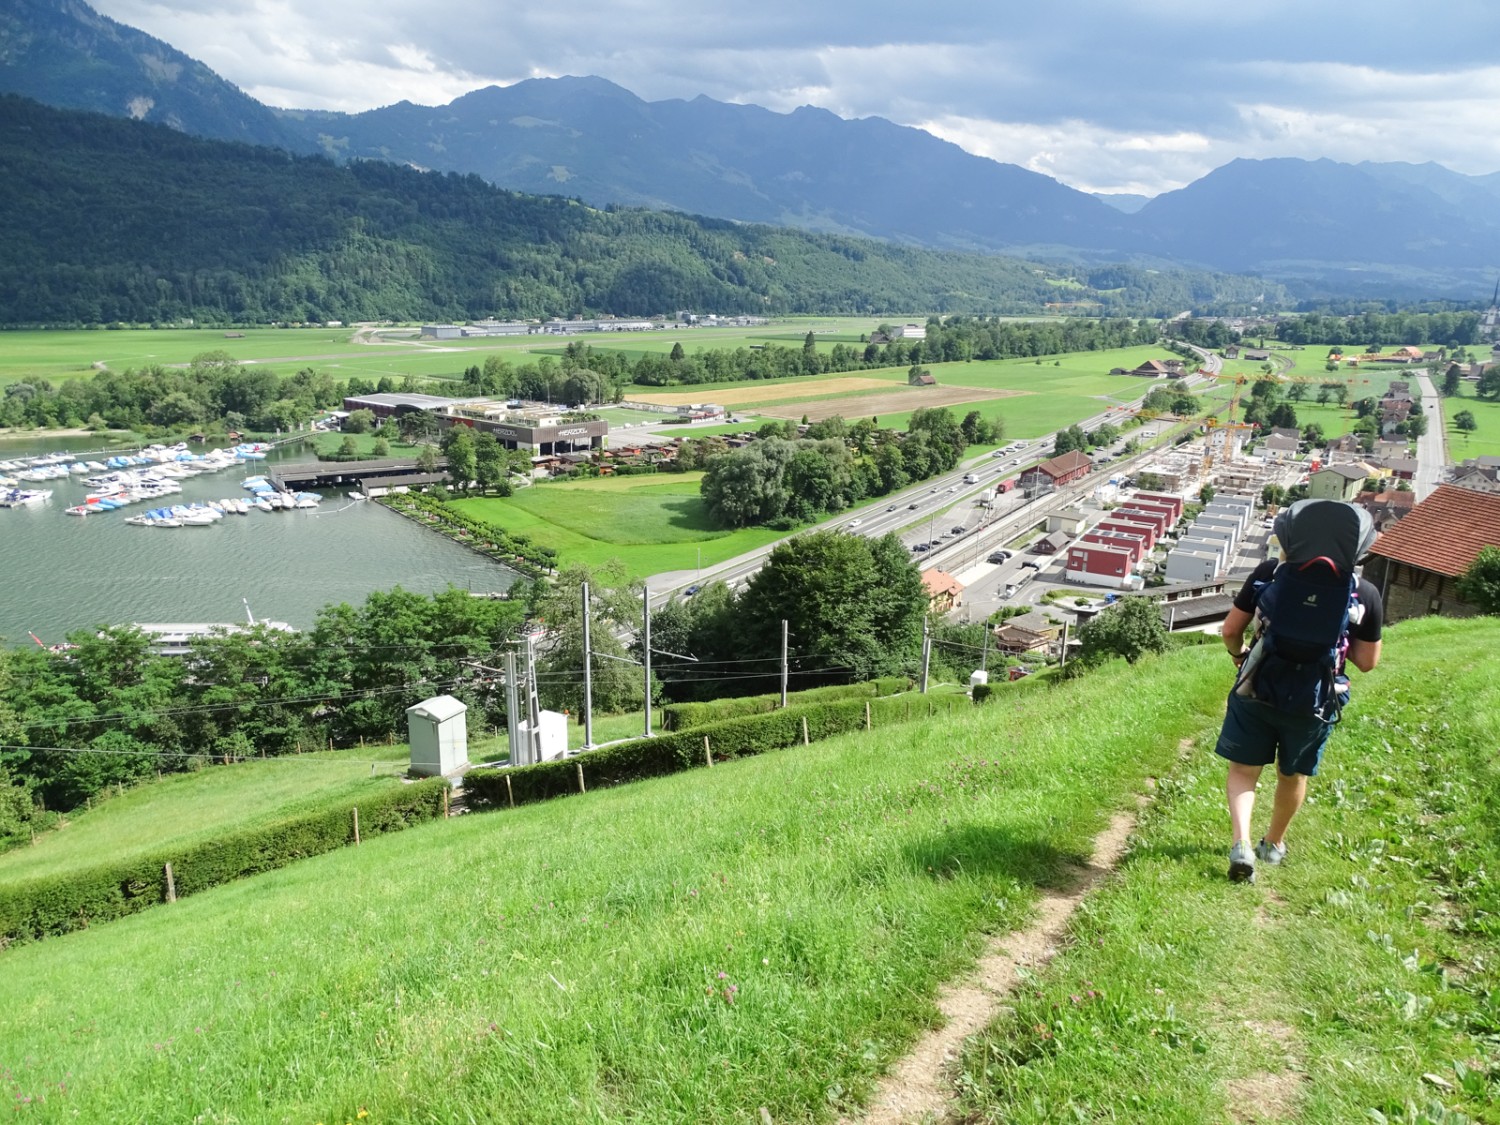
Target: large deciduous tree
[1131,628]
[1480,583]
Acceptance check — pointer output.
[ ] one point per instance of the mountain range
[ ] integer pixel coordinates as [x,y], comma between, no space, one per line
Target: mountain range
[1323,227]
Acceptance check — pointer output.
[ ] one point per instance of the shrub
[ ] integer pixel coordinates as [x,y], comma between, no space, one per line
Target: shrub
[49,905]
[685,716]
[680,750]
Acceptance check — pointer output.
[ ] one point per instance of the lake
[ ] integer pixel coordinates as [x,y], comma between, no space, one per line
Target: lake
[61,572]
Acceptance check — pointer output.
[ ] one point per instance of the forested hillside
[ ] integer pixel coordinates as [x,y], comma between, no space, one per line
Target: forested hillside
[109,220]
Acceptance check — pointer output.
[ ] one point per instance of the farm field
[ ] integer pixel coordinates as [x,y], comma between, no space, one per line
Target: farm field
[650,523]
[774,932]
[191,807]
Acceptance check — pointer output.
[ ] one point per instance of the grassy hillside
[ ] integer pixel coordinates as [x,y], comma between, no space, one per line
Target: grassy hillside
[184,809]
[768,933]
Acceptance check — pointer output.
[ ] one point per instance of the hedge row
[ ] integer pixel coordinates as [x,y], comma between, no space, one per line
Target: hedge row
[516,551]
[50,905]
[686,716]
[683,750]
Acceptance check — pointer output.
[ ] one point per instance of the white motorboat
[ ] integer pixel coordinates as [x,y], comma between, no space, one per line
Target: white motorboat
[24,497]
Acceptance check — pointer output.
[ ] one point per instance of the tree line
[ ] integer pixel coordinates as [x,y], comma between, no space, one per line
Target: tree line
[116,221]
[781,479]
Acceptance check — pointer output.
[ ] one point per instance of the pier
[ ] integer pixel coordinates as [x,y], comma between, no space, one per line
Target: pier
[357,475]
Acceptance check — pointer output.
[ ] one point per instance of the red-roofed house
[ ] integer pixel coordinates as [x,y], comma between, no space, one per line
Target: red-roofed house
[1059,471]
[1416,561]
[943,590]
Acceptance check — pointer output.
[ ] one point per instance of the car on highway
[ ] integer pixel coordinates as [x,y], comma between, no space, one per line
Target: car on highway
[913,504]
[690,591]
[852,524]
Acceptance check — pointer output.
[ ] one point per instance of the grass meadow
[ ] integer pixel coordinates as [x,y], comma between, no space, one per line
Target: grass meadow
[1357,982]
[1485,440]
[188,808]
[772,933]
[767,933]
[650,523]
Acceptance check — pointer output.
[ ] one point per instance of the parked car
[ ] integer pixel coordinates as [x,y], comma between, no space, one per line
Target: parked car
[922,547]
[1031,564]
[959,529]
[999,556]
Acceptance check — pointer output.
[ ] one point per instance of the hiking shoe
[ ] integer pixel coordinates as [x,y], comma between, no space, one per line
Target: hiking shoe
[1241,863]
[1267,852]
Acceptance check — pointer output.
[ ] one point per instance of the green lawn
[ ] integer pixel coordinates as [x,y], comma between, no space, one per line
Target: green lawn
[650,523]
[1484,441]
[773,932]
[365,443]
[1358,982]
[187,808]
[770,932]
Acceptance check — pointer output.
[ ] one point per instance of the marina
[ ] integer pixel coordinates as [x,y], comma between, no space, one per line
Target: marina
[283,549]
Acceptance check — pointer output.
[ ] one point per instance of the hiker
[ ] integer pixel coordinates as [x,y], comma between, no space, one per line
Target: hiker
[1313,613]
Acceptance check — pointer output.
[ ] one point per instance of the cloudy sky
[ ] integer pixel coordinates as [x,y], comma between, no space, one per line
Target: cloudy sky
[1105,95]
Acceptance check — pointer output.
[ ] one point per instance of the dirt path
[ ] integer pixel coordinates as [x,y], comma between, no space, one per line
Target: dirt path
[917,1089]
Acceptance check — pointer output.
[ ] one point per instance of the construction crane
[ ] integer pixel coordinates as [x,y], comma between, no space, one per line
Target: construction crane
[1222,433]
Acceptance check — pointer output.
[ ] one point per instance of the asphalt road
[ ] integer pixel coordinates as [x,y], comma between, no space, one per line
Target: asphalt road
[1432,455]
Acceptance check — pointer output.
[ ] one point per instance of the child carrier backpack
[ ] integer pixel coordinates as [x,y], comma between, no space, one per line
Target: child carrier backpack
[1297,664]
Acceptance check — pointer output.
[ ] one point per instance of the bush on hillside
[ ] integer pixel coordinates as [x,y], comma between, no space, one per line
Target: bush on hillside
[685,716]
[74,900]
[682,750]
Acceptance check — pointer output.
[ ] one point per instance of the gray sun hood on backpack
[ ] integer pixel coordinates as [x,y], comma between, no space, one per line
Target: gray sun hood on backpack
[1311,529]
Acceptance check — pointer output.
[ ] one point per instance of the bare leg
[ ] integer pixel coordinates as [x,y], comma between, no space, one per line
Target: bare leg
[1240,789]
[1291,789]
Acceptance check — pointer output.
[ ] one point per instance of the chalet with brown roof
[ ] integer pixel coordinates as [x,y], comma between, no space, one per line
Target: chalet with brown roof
[1158,369]
[1386,508]
[1347,443]
[944,592]
[1417,561]
[1016,638]
[1051,543]
[921,379]
[1060,470]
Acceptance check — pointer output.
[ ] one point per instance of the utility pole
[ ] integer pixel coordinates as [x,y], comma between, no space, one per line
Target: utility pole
[533,706]
[1062,660]
[646,653]
[783,662]
[588,677]
[512,704]
[984,651]
[926,651]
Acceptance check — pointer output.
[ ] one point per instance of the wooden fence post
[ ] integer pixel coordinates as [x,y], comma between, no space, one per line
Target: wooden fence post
[171,885]
[356,824]
[510,797]
[805,740]
[578,766]
[867,714]
[446,791]
[707,755]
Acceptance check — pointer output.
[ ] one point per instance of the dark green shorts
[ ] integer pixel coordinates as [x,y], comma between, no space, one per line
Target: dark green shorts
[1257,734]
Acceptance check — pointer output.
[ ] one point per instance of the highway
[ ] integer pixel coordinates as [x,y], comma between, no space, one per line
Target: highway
[930,512]
[1432,454]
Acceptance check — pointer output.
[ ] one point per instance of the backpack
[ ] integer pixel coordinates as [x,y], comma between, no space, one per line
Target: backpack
[1297,662]
[1305,611]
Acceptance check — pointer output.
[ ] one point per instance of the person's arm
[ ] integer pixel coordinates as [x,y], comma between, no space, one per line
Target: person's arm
[1233,632]
[1364,655]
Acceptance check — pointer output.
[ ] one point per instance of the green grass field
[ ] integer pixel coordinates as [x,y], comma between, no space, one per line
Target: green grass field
[188,808]
[1482,442]
[773,933]
[651,523]
[1355,983]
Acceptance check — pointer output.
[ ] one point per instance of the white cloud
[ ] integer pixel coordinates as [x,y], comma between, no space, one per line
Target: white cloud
[1118,95]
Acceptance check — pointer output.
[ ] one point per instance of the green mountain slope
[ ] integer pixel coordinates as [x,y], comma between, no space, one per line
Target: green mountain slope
[767,933]
[110,220]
